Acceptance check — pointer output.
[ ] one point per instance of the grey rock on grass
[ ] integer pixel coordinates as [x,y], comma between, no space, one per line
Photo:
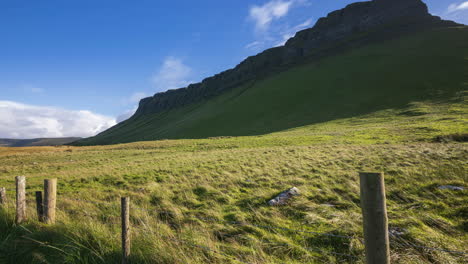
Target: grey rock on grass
[283,197]
[451,187]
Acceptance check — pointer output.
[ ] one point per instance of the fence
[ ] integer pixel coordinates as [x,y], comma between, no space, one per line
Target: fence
[373,205]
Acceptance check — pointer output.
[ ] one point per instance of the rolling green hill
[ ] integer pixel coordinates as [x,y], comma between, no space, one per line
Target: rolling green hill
[390,98]
[6,142]
[366,57]
[429,65]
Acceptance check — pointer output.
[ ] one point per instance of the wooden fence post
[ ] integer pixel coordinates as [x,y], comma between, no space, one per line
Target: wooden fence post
[20,199]
[50,200]
[2,196]
[39,206]
[374,212]
[125,229]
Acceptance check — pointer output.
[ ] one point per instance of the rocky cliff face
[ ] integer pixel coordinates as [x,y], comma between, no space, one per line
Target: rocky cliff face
[389,16]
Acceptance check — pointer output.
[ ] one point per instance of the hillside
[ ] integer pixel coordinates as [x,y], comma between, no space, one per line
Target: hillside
[185,194]
[378,86]
[367,57]
[6,142]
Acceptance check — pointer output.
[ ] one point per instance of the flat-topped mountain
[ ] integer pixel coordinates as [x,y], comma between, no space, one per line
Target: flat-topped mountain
[365,57]
[338,25]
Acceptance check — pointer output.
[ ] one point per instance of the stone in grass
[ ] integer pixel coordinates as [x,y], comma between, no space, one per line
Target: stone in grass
[451,187]
[397,231]
[283,197]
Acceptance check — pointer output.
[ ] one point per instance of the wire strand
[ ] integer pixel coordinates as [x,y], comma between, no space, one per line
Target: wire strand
[276,227]
[428,248]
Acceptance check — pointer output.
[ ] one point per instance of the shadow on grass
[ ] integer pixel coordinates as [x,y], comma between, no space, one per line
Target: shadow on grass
[31,243]
[337,246]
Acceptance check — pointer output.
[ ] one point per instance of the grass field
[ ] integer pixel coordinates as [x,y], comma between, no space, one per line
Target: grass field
[194,188]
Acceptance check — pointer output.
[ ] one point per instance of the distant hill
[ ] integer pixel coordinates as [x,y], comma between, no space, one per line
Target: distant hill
[369,56]
[4,142]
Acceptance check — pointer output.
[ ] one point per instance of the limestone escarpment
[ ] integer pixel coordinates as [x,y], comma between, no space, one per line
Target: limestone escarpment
[355,19]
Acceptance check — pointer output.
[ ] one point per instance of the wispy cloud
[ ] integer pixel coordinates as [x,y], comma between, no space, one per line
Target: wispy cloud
[271,26]
[37,90]
[127,114]
[133,98]
[457,11]
[31,88]
[277,36]
[136,97]
[289,32]
[254,44]
[131,103]
[19,120]
[172,74]
[457,7]
[265,14]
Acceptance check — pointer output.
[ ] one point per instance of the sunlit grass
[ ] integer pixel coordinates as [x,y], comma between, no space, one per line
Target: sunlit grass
[182,183]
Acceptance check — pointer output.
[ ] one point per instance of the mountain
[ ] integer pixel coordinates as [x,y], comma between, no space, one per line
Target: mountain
[366,57]
[5,142]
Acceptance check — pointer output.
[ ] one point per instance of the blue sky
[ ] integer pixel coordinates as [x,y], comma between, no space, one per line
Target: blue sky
[73,67]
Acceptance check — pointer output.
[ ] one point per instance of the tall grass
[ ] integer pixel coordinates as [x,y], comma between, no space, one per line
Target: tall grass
[193,190]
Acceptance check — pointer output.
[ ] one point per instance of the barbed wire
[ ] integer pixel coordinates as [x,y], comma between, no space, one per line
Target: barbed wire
[93,202]
[428,248]
[197,246]
[289,245]
[269,227]
[276,227]
[245,223]
[331,252]
[75,212]
[205,248]
[280,228]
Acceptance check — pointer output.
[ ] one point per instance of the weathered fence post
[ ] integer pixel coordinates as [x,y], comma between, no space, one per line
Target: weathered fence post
[39,206]
[125,229]
[20,199]
[50,200]
[2,196]
[374,212]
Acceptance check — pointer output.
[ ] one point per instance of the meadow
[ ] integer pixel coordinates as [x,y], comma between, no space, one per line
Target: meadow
[205,200]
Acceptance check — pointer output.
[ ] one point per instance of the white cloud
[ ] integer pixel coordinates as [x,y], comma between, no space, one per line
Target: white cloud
[457,7]
[277,37]
[136,97]
[289,32]
[265,14]
[304,24]
[172,74]
[270,29]
[29,121]
[127,114]
[254,44]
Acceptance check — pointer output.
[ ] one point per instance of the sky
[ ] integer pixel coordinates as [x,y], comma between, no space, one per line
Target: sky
[77,67]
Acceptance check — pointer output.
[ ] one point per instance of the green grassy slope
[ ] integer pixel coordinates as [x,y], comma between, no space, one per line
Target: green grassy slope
[428,65]
[181,183]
